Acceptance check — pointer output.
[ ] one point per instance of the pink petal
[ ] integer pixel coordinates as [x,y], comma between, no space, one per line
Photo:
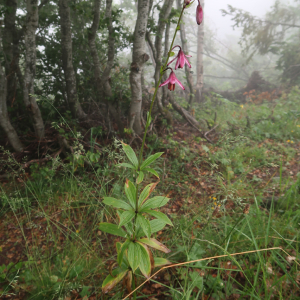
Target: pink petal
[172,78]
[188,56]
[177,64]
[172,60]
[180,84]
[187,62]
[164,83]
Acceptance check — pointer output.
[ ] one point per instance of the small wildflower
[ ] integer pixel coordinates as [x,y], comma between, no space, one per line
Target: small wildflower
[242,106]
[214,198]
[219,205]
[212,208]
[215,203]
[292,131]
[292,142]
[298,125]
[181,59]
[171,82]
[288,141]
[77,231]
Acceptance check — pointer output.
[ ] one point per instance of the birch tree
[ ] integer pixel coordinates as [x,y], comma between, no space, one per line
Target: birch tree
[30,67]
[67,59]
[139,57]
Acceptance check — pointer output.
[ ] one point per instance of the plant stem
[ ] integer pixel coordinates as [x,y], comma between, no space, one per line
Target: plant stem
[149,116]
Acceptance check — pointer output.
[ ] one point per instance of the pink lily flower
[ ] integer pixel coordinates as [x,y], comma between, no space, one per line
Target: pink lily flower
[199,13]
[171,81]
[181,59]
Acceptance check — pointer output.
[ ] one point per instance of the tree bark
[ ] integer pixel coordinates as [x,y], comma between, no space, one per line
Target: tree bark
[30,66]
[188,74]
[163,16]
[200,44]
[67,59]
[10,49]
[102,81]
[4,119]
[139,57]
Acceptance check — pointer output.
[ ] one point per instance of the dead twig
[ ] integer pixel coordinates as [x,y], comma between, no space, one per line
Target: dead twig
[203,259]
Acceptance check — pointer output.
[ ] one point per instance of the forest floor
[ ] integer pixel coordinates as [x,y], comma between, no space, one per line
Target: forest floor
[51,247]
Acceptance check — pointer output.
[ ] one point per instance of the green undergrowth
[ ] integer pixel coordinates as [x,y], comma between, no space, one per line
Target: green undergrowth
[59,251]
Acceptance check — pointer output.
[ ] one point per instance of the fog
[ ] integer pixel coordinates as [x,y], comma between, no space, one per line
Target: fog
[223,25]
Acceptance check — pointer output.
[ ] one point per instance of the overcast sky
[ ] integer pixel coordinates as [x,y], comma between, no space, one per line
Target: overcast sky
[223,24]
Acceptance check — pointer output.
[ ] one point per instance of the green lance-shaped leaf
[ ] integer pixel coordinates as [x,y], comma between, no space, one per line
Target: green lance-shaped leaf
[171,53]
[110,282]
[155,244]
[147,261]
[134,255]
[146,193]
[140,177]
[130,154]
[126,217]
[156,225]
[159,262]
[152,171]
[112,229]
[130,192]
[149,160]
[126,165]
[159,215]
[145,224]
[155,202]
[121,252]
[116,203]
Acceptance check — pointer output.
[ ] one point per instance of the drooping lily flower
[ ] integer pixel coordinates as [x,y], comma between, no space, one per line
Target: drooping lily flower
[181,59]
[171,81]
[199,13]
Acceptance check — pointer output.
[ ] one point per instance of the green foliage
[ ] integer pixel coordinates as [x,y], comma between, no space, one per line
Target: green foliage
[134,252]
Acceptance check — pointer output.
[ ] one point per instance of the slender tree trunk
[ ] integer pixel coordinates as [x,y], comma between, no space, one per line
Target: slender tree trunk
[67,58]
[163,16]
[30,65]
[102,81]
[188,74]
[139,57]
[4,119]
[10,49]
[166,50]
[200,44]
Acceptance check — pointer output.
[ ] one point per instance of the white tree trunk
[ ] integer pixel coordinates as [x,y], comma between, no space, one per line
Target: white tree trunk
[200,39]
[67,59]
[30,65]
[139,57]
